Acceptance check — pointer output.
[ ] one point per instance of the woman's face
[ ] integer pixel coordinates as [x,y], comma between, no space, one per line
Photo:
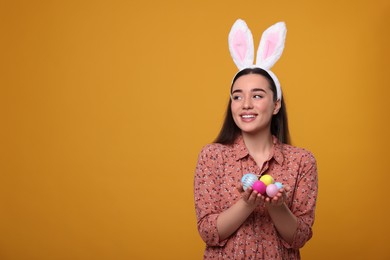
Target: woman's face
[252,104]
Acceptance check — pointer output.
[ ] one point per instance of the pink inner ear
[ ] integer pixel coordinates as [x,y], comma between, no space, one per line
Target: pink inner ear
[239,44]
[270,44]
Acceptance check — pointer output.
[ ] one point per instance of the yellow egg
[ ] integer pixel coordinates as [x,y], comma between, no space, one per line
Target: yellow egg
[267,179]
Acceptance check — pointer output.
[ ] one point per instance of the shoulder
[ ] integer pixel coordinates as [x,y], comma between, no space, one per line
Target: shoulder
[212,155]
[300,153]
[214,149]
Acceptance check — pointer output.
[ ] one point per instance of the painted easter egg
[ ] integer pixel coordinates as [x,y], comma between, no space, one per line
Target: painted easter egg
[272,190]
[260,187]
[248,180]
[267,179]
[279,185]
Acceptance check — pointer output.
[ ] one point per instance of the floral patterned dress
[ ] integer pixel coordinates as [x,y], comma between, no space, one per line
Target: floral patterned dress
[217,178]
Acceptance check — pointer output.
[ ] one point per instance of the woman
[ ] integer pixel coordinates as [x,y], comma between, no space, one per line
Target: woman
[238,224]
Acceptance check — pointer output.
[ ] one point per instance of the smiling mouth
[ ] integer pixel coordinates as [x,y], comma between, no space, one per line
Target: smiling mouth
[247,116]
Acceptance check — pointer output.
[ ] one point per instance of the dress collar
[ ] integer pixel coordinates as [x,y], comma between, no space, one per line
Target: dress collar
[240,151]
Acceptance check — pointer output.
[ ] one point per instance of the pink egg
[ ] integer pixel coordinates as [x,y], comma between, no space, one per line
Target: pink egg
[260,187]
[272,190]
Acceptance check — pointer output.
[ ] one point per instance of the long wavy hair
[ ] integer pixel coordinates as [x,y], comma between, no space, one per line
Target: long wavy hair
[279,122]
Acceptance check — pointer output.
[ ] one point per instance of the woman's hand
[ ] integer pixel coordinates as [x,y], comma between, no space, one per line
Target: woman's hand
[279,199]
[284,220]
[251,197]
[231,219]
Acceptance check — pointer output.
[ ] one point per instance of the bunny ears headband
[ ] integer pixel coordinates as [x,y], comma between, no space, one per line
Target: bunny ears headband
[269,51]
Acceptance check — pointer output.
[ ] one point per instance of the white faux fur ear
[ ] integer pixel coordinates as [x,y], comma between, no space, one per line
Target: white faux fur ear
[241,44]
[271,45]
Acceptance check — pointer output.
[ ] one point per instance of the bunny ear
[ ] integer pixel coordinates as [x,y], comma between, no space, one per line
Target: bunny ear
[241,44]
[271,45]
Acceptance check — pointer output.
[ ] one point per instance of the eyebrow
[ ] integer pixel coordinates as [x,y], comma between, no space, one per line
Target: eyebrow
[252,90]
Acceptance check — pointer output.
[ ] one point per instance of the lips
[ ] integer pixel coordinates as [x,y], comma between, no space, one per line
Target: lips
[248,117]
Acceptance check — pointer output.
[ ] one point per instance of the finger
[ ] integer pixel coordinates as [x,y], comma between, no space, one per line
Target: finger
[246,194]
[254,195]
[251,195]
[240,188]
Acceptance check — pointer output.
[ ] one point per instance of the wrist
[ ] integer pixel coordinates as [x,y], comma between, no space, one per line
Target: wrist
[245,205]
[276,206]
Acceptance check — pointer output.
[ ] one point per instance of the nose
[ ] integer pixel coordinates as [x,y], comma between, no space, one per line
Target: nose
[247,104]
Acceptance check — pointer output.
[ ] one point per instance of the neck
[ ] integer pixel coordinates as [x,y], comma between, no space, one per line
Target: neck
[259,143]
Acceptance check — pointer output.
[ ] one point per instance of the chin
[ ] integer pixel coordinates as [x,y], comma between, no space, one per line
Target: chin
[250,131]
[254,131]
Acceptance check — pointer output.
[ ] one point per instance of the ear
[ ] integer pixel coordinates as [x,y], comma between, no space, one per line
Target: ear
[278,105]
[271,45]
[241,44]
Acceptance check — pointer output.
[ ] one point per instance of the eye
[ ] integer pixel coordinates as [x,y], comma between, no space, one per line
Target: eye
[236,97]
[257,96]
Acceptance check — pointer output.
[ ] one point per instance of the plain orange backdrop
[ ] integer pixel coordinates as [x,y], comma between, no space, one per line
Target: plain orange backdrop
[105,106]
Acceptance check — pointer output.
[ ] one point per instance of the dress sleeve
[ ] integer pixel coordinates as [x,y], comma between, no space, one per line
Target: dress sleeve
[304,201]
[207,195]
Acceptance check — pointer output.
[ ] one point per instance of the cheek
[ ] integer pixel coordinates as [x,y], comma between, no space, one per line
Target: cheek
[233,109]
[265,107]
[235,114]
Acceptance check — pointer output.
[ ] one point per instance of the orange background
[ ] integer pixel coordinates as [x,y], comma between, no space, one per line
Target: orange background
[105,106]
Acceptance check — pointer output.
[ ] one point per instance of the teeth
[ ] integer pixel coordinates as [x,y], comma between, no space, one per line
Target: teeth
[248,116]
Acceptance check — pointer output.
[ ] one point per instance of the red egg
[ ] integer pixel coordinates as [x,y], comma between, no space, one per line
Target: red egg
[260,187]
